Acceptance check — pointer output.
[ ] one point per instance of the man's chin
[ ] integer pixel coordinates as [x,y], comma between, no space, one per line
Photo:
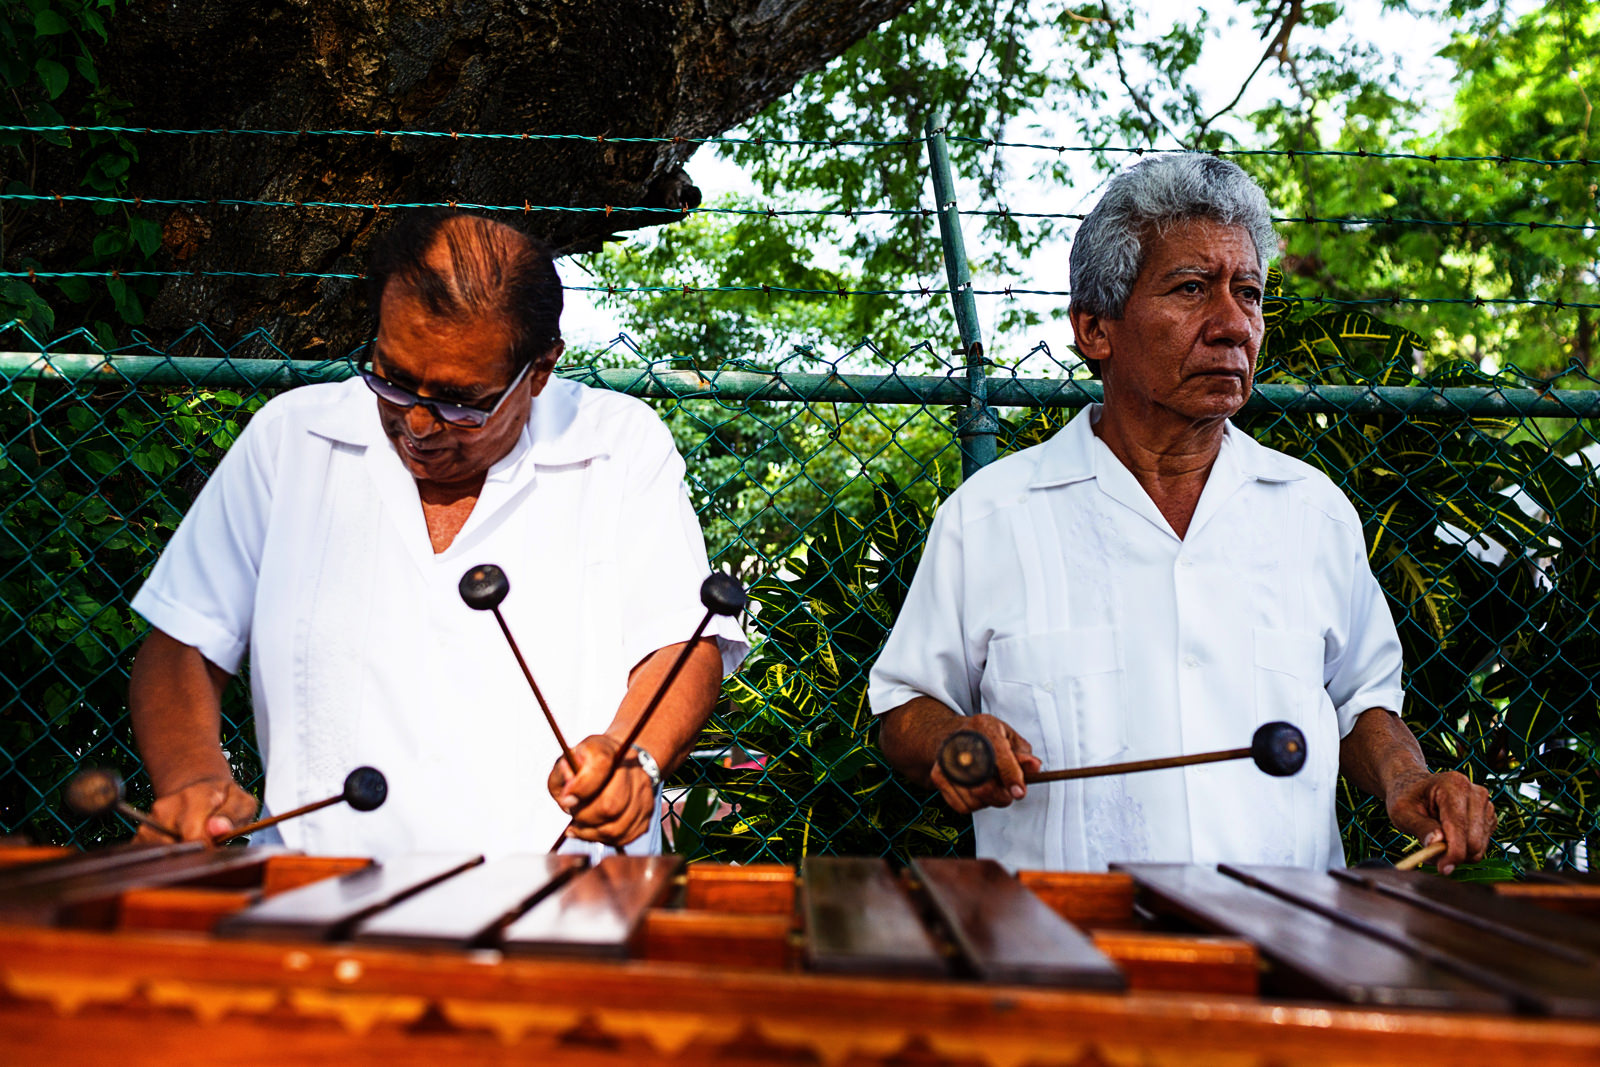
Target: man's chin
[1214,396]
[425,466]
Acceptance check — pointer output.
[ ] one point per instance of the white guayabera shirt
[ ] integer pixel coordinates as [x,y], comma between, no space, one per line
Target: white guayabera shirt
[308,548]
[1054,595]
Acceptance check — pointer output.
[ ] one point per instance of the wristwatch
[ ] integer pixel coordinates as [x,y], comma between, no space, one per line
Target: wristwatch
[647,763]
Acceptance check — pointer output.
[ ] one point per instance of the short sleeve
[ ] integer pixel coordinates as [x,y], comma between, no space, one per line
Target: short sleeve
[926,654]
[1363,669]
[664,554]
[202,590]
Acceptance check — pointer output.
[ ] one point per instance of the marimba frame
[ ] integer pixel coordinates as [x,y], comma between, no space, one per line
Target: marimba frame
[715,979]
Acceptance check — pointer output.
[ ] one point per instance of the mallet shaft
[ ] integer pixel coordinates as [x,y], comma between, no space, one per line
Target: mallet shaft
[549,716]
[262,824]
[138,816]
[1425,854]
[649,709]
[661,691]
[1137,765]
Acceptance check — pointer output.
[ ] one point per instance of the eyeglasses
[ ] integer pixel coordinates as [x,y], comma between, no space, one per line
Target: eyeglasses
[460,415]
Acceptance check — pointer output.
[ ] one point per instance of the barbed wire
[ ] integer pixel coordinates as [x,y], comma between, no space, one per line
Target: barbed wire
[1291,153]
[1336,220]
[832,142]
[527,207]
[467,135]
[843,291]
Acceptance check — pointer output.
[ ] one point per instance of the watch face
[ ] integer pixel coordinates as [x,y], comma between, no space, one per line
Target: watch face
[648,764]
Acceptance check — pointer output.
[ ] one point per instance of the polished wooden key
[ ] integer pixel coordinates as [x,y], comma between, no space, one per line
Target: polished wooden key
[598,913]
[329,909]
[1309,953]
[470,908]
[1006,933]
[859,919]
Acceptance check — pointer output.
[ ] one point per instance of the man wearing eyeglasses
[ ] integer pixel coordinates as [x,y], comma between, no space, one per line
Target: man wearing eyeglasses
[328,546]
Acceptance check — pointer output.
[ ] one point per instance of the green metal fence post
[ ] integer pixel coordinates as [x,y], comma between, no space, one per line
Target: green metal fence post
[977,424]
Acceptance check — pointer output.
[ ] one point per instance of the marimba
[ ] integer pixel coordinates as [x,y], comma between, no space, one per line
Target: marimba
[257,955]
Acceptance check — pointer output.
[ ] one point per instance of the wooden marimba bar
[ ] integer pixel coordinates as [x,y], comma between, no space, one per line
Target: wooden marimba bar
[168,955]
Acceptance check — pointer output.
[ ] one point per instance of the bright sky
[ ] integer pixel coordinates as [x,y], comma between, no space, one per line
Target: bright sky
[1412,44]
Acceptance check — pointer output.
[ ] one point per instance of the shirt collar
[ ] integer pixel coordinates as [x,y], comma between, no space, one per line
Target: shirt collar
[555,435]
[1069,456]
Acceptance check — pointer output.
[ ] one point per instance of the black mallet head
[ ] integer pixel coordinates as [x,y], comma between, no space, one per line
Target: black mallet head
[967,758]
[94,791]
[1279,749]
[722,594]
[365,788]
[484,586]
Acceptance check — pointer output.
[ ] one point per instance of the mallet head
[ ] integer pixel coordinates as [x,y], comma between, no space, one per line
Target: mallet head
[484,586]
[967,758]
[722,594]
[365,788]
[94,791]
[1279,749]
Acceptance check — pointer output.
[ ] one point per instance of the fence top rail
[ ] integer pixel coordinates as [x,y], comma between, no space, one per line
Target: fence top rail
[778,386]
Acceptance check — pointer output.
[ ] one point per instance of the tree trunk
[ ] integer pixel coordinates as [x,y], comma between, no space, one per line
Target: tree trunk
[617,68]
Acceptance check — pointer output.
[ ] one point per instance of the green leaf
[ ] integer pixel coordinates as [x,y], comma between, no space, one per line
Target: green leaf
[48,23]
[146,234]
[108,244]
[53,75]
[93,22]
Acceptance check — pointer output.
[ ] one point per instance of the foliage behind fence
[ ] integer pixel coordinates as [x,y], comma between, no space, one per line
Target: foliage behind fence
[815,484]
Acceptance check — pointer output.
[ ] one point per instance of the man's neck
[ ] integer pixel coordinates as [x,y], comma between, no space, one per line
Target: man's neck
[1170,456]
[446,508]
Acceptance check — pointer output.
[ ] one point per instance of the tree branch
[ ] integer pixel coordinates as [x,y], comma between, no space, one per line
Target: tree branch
[1138,98]
[1279,47]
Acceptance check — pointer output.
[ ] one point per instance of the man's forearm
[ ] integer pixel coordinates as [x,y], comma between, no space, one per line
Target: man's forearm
[911,734]
[676,722]
[1380,753]
[175,701]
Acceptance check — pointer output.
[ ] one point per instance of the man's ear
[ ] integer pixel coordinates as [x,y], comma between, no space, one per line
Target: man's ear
[540,375]
[1089,333]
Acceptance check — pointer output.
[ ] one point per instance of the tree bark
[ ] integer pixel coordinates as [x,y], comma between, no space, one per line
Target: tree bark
[612,68]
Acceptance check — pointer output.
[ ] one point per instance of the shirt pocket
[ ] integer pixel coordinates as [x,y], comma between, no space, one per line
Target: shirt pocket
[1288,675]
[1289,688]
[1062,690]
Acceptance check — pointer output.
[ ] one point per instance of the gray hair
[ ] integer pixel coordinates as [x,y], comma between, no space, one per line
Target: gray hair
[1108,251]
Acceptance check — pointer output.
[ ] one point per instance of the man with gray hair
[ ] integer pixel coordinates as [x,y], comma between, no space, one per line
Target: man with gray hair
[1152,581]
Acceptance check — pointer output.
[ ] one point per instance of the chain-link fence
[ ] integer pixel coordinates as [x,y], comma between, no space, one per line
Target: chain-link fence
[815,481]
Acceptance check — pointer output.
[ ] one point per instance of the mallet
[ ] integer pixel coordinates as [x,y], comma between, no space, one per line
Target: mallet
[96,791]
[1278,748]
[722,595]
[365,788]
[483,588]
[1410,861]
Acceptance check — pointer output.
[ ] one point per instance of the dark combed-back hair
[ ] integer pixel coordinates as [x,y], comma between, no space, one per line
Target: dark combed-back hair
[495,271]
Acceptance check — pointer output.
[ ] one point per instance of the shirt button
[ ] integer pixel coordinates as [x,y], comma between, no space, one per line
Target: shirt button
[1191,662]
[1049,687]
[1185,562]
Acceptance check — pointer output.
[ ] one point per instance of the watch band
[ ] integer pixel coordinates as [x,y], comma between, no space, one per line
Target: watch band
[648,764]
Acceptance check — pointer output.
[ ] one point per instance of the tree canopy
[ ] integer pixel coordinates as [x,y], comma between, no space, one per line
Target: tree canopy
[1110,78]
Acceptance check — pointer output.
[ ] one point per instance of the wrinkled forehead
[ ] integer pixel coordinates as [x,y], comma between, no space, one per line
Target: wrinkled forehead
[1202,247]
